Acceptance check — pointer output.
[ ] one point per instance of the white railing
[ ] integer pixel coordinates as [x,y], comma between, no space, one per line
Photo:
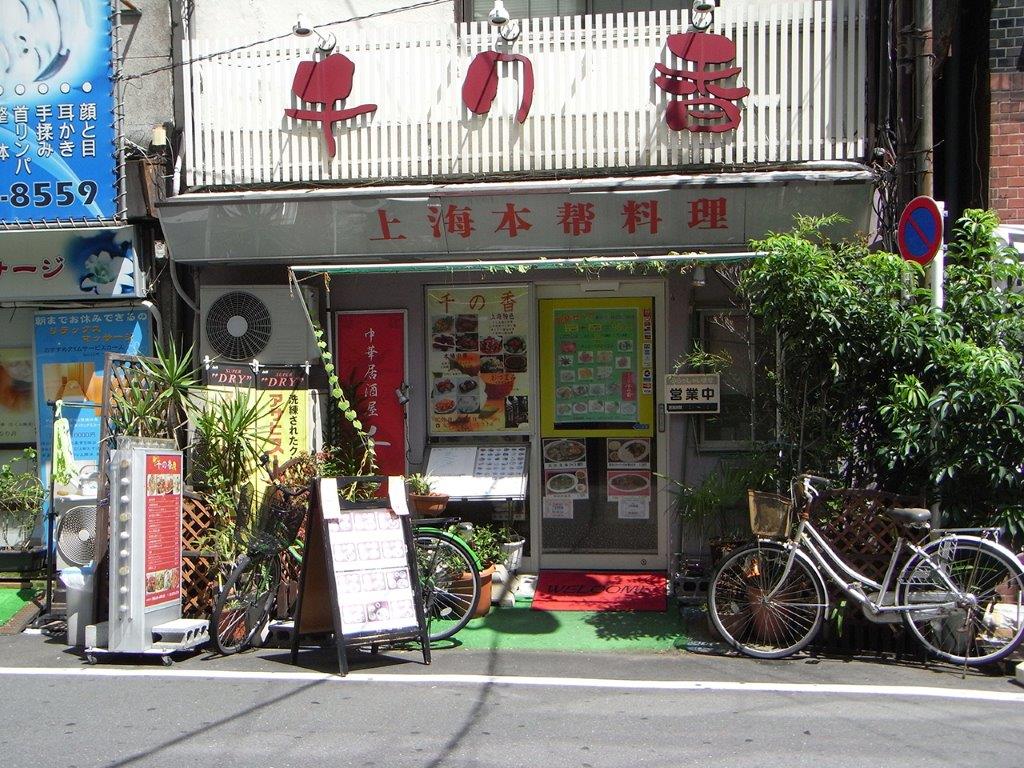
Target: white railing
[595,105]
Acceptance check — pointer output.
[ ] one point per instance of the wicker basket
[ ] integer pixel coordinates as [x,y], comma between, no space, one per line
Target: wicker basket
[770,514]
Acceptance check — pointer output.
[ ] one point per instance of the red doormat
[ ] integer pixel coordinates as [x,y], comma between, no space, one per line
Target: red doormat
[603,591]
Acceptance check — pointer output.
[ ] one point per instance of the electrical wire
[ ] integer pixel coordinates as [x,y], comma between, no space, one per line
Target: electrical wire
[245,46]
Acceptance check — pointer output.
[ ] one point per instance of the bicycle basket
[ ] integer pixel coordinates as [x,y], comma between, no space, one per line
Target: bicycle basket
[770,514]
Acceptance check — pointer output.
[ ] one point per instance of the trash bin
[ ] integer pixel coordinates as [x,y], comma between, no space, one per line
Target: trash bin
[79,583]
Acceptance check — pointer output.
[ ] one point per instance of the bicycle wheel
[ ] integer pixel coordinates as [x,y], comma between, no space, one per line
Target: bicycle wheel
[243,605]
[450,580]
[762,611]
[983,620]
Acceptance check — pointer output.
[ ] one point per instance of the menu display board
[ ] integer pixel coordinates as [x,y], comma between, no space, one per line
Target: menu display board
[479,471]
[597,365]
[368,561]
[478,359]
[359,577]
[162,550]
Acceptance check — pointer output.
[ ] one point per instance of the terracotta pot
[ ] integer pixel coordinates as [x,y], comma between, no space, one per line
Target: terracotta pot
[430,505]
[483,600]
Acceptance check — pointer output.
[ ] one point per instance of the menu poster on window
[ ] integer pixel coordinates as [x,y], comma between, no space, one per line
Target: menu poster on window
[163,529]
[629,454]
[565,454]
[634,483]
[566,483]
[477,359]
[597,366]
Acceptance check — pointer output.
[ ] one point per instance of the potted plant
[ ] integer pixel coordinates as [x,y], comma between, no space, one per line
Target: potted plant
[487,543]
[21,498]
[422,496]
[512,545]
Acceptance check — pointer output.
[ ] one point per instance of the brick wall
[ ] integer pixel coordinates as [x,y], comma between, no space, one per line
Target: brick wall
[1006,83]
[1006,35]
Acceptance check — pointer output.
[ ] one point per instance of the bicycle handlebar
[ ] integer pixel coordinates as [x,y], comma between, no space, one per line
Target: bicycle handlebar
[814,479]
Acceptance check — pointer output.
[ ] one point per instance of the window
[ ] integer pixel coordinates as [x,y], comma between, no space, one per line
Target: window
[477,10]
[745,415]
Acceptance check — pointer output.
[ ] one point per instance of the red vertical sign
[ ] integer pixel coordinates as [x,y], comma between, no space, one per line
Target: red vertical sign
[370,351]
[163,529]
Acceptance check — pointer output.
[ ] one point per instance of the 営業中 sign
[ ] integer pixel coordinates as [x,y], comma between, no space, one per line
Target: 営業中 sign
[692,393]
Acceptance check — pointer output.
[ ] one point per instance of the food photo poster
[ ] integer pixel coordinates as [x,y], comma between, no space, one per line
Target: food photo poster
[478,359]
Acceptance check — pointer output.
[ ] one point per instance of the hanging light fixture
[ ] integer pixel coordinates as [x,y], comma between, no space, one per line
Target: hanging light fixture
[702,14]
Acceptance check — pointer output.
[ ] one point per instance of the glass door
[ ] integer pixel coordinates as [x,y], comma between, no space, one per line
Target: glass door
[598,428]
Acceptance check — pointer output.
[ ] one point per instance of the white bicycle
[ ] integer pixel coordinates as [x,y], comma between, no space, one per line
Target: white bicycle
[960,594]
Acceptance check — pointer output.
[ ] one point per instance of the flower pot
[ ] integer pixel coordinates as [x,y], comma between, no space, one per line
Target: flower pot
[483,601]
[513,554]
[430,505]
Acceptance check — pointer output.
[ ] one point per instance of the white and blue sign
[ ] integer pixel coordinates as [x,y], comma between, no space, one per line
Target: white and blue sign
[70,264]
[58,151]
[69,349]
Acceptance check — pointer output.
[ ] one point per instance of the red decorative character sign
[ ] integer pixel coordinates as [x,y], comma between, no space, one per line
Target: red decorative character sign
[481,83]
[325,82]
[704,100]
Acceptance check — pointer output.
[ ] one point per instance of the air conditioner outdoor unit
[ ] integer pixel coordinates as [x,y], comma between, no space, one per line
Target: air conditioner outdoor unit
[262,322]
[74,532]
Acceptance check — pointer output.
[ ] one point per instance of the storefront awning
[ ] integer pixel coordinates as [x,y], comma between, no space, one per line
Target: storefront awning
[509,222]
[583,263]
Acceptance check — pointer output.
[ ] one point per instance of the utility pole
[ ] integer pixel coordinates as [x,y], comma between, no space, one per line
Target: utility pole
[923,61]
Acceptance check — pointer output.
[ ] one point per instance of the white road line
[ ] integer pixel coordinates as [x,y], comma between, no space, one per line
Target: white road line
[551,682]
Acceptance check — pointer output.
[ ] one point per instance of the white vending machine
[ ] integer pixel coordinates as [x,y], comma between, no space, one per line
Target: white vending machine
[145,558]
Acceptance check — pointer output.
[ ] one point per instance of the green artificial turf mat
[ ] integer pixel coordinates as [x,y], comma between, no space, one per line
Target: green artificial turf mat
[520,628]
[12,600]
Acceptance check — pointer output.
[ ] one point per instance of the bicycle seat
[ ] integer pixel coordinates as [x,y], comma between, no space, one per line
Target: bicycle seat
[912,515]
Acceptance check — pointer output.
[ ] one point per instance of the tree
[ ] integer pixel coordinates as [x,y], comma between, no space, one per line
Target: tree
[876,385]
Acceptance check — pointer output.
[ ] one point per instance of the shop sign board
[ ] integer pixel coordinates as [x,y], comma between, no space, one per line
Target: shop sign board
[69,349]
[370,352]
[699,393]
[533,219]
[478,359]
[58,148]
[282,394]
[70,264]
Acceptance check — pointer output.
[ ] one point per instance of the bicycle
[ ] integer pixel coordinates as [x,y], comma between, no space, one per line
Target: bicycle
[244,604]
[959,594]
[449,573]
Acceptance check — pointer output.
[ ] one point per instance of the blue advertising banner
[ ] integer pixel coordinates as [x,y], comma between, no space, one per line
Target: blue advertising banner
[69,353]
[58,151]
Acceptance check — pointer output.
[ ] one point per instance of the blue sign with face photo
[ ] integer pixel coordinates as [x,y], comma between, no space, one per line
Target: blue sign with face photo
[58,151]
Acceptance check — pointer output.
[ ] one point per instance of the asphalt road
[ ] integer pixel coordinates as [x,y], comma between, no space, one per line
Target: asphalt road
[475,708]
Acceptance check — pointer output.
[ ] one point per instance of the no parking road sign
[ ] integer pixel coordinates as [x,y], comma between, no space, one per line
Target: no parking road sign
[919,236]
